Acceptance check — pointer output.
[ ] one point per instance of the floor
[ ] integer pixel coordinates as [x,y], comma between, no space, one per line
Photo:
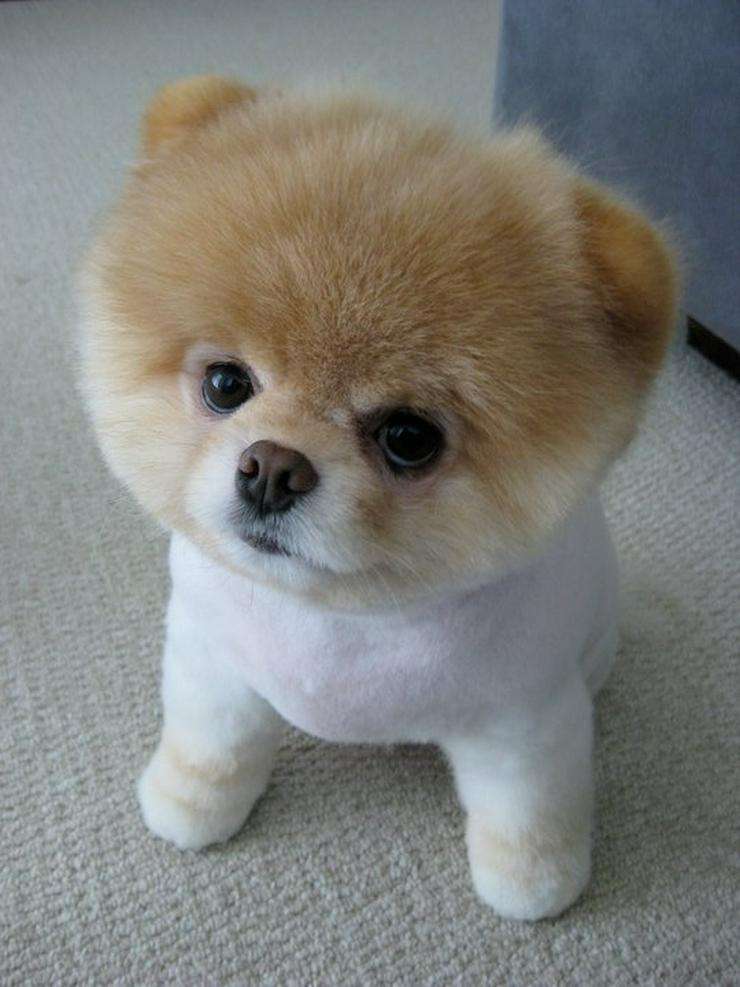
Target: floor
[352,870]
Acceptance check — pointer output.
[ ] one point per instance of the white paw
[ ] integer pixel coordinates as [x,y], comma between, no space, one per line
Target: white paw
[193,807]
[530,878]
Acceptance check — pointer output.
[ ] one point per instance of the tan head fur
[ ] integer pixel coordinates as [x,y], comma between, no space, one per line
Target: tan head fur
[358,259]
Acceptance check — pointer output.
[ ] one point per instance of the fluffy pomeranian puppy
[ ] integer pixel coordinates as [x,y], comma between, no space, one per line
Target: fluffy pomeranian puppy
[370,373]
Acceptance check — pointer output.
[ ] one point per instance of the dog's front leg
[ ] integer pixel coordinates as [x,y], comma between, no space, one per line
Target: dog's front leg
[217,746]
[526,785]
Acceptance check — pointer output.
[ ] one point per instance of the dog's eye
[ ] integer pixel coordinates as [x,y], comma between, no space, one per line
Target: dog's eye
[225,387]
[408,441]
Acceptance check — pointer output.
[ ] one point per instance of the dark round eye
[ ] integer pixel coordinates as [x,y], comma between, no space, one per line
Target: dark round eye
[226,386]
[408,441]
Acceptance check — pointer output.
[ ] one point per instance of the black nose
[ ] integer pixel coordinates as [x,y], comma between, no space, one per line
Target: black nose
[272,478]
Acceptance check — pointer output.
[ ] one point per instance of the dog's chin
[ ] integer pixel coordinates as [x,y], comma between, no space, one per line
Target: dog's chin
[256,552]
[277,552]
[284,567]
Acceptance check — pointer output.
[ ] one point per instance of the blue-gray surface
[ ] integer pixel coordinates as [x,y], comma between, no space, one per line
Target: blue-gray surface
[645,95]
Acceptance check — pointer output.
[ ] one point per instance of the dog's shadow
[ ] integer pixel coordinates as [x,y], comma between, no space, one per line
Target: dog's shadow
[341,785]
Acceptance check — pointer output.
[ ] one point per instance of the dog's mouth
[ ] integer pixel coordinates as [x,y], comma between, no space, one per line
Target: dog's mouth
[247,530]
[266,544]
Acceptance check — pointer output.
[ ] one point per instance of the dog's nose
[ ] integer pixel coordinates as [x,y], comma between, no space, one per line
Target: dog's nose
[272,478]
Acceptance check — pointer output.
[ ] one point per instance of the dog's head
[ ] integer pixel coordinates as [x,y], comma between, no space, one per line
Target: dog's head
[350,352]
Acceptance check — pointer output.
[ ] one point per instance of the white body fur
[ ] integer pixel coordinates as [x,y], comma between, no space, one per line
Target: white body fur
[504,686]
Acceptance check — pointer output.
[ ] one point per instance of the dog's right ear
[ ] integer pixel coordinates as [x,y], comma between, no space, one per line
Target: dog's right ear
[181,108]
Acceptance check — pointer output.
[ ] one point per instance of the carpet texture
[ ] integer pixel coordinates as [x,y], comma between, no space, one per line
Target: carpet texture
[352,869]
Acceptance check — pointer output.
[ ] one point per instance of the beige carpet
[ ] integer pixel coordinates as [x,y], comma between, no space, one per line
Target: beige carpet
[352,870]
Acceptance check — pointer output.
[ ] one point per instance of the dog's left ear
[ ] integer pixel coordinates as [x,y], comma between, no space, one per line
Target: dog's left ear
[183,107]
[636,278]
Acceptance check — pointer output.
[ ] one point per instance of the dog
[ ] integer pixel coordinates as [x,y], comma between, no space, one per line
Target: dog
[370,373]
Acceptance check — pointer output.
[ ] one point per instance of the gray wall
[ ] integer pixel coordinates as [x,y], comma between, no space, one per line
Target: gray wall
[645,95]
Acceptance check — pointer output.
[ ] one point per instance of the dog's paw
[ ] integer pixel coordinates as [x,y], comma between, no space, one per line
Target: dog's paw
[193,805]
[536,876]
